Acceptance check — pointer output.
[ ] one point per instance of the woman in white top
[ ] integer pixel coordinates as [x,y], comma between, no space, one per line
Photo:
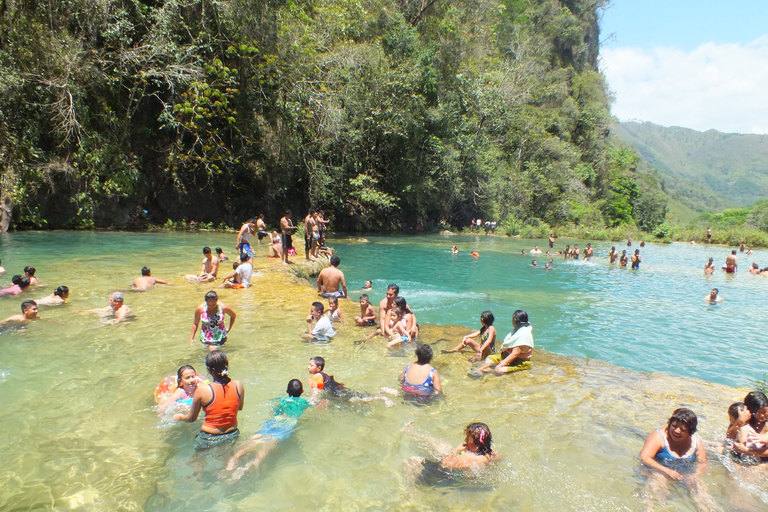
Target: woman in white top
[516,350]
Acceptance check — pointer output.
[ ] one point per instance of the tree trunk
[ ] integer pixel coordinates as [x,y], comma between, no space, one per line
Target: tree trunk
[5,212]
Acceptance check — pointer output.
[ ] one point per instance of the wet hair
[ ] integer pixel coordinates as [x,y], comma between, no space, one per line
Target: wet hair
[754,264]
[27,304]
[401,303]
[117,297]
[755,400]
[295,388]
[145,271]
[24,282]
[211,295]
[685,416]
[335,260]
[180,371]
[206,250]
[365,297]
[61,290]
[397,311]
[319,362]
[487,318]
[218,366]
[318,307]
[481,435]
[714,290]
[520,318]
[734,408]
[393,286]
[30,271]
[16,279]
[637,251]
[219,250]
[424,354]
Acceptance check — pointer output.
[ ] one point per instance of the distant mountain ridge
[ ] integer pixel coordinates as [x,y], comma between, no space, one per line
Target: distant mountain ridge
[706,171]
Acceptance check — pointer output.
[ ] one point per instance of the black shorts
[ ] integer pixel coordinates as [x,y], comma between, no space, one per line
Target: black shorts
[287,241]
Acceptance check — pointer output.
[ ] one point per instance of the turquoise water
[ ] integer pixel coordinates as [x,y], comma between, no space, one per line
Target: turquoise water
[649,320]
[82,432]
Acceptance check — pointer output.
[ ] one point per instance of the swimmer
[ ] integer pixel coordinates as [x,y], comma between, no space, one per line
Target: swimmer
[575,252]
[709,267]
[474,453]
[187,381]
[420,378]
[285,415]
[211,313]
[223,399]
[146,281]
[323,331]
[455,250]
[675,452]
[551,240]
[28,314]
[534,263]
[548,266]
[536,250]
[321,381]
[523,252]
[567,252]
[60,296]
[487,343]
[642,243]
[693,242]
[368,286]
[731,263]
[713,297]
[19,285]
[334,313]
[749,250]
[516,349]
[30,273]
[636,259]
[209,269]
[398,334]
[367,313]
[116,309]
[754,269]
[220,254]
[475,254]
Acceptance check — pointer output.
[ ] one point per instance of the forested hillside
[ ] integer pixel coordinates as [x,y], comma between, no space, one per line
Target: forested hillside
[387,114]
[707,171]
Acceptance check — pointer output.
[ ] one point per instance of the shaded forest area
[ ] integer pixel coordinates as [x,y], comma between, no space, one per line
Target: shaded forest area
[397,114]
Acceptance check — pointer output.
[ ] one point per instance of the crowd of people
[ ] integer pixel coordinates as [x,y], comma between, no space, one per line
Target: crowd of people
[670,452]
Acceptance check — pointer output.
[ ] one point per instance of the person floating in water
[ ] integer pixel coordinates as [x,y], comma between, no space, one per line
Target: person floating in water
[455,250]
[713,297]
[285,416]
[146,281]
[319,381]
[473,454]
[28,314]
[116,309]
[59,296]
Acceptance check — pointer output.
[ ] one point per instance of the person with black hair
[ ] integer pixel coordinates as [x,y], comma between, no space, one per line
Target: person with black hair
[221,400]
[28,313]
[285,415]
[330,281]
[516,349]
[146,281]
[59,296]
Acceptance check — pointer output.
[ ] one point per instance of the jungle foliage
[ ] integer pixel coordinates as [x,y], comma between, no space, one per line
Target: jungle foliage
[386,114]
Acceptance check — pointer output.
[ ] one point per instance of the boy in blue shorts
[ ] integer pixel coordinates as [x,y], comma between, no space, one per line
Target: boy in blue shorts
[285,416]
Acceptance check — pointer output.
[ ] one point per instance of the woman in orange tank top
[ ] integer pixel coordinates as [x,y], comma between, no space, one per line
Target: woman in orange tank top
[221,400]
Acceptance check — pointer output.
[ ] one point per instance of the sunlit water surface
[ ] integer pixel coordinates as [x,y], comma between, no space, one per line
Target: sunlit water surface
[82,432]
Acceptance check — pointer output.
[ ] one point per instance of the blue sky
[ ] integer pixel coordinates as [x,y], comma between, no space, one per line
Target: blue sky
[701,64]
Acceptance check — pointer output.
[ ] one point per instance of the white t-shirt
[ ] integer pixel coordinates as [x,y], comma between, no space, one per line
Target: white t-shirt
[244,271]
[523,337]
[323,330]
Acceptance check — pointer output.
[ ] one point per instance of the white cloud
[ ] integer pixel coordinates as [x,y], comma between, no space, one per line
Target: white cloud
[720,86]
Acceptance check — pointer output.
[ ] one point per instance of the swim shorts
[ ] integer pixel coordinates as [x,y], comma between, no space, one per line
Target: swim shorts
[338,294]
[245,248]
[729,269]
[287,241]
[516,365]
[262,234]
[307,243]
[371,322]
[204,440]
